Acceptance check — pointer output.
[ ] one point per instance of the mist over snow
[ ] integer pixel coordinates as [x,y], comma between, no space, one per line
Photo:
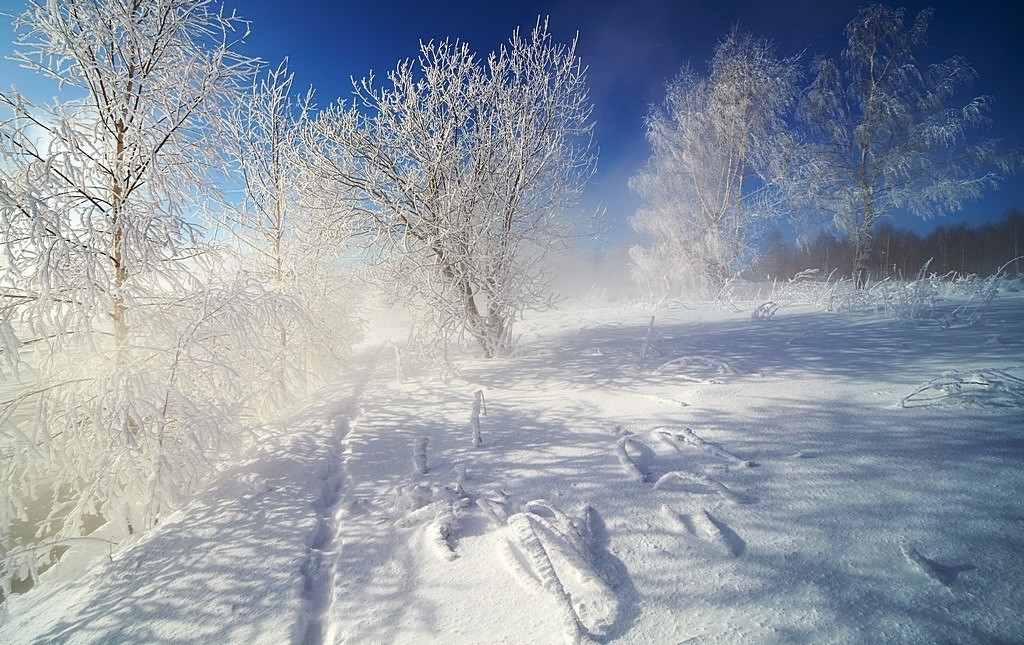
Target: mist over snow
[473,351]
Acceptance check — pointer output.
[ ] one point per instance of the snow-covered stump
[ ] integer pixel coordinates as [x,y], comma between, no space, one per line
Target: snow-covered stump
[419,455]
[474,418]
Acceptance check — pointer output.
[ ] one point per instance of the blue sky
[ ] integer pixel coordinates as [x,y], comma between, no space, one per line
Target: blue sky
[631,49]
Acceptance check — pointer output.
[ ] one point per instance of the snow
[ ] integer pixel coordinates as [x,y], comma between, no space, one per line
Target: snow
[709,478]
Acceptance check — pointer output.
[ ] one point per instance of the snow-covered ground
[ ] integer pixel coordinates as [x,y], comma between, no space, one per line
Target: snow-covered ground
[737,481]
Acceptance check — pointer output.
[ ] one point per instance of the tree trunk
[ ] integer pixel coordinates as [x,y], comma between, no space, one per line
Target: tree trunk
[117,225]
[476,323]
[862,254]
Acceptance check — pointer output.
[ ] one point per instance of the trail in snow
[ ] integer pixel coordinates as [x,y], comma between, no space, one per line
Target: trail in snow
[319,570]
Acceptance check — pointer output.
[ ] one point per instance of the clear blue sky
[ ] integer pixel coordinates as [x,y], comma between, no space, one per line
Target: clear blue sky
[631,49]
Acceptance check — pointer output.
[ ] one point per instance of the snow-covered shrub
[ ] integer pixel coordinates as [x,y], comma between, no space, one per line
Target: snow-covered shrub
[136,357]
[100,435]
[910,300]
[981,388]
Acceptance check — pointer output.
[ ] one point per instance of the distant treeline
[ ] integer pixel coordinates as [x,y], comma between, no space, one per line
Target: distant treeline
[896,252]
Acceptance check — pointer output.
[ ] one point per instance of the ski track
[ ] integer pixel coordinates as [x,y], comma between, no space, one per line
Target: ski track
[319,570]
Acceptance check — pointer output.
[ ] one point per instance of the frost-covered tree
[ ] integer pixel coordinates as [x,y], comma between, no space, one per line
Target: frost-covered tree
[277,221]
[137,365]
[883,134]
[710,187]
[459,174]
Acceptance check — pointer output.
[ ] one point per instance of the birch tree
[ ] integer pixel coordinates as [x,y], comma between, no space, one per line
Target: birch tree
[136,361]
[711,185]
[277,222]
[460,175]
[884,134]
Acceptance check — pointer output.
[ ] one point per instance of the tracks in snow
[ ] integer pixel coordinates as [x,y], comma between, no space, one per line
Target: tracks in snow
[319,569]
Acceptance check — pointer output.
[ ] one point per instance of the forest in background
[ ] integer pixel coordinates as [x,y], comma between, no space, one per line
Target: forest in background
[961,249]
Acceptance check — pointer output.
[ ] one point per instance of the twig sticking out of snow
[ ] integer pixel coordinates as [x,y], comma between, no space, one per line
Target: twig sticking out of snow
[460,479]
[622,449]
[419,455]
[399,364]
[474,419]
[701,480]
[647,340]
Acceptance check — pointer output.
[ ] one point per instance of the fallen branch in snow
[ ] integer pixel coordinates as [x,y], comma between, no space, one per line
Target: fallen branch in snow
[668,478]
[690,437]
[527,540]
[622,450]
[437,507]
[765,311]
[700,364]
[551,551]
[496,511]
[983,388]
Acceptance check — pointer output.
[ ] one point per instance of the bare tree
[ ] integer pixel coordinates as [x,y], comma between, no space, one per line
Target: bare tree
[138,360]
[105,182]
[277,220]
[883,135]
[710,185]
[459,174]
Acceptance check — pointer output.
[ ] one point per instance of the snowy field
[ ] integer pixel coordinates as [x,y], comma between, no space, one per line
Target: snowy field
[735,481]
